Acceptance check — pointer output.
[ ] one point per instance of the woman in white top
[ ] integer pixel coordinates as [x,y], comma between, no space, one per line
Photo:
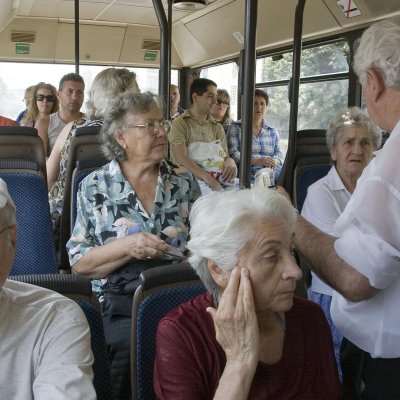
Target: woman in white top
[351,139]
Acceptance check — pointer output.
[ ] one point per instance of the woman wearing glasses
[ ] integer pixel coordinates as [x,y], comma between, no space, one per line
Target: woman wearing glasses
[221,110]
[133,210]
[44,102]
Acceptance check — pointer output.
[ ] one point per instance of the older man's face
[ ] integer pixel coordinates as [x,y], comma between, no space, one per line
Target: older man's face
[7,250]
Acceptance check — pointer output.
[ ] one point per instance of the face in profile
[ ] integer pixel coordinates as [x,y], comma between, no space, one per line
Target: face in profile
[353,151]
[273,270]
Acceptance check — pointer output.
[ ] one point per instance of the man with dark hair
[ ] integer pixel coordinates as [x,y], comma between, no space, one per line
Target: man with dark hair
[174,98]
[70,97]
[199,143]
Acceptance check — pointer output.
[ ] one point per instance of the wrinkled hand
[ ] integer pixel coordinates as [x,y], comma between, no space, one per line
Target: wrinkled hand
[235,320]
[229,172]
[145,245]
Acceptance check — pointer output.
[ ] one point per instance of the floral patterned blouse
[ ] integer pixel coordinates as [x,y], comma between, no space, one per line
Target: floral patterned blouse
[108,208]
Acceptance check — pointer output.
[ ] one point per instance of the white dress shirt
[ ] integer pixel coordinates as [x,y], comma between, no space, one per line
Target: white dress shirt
[325,201]
[369,241]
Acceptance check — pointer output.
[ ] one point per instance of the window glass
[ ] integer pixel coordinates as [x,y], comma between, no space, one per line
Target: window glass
[326,59]
[14,80]
[226,77]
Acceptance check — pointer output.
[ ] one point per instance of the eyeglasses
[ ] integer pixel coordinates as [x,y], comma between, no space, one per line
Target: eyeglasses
[50,98]
[224,103]
[153,127]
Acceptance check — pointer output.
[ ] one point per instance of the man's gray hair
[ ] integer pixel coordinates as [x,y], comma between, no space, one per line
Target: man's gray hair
[115,117]
[7,206]
[221,223]
[352,117]
[379,49]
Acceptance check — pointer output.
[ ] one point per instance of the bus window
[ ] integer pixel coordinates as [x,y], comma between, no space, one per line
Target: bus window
[323,85]
[226,77]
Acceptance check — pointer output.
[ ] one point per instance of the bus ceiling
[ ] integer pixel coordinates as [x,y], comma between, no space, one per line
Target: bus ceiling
[118,32]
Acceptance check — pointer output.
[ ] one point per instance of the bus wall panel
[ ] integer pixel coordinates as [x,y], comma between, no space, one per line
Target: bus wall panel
[98,44]
[43,49]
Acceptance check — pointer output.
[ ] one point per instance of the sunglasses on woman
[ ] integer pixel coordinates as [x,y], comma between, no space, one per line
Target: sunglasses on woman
[50,98]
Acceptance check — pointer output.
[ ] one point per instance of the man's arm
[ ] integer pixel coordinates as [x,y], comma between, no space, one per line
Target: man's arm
[181,157]
[318,249]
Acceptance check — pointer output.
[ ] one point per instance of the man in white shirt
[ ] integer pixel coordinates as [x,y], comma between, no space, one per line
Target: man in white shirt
[45,348]
[363,263]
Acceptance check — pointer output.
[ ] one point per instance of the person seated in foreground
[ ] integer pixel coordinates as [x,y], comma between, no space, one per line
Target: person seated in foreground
[45,338]
[266,146]
[351,139]
[248,337]
[133,210]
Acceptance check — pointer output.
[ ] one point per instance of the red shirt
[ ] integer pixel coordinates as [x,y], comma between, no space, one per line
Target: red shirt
[190,362]
[7,121]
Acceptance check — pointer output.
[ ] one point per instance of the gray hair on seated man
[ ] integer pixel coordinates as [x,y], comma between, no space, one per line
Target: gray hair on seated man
[7,207]
[221,223]
[115,117]
[352,116]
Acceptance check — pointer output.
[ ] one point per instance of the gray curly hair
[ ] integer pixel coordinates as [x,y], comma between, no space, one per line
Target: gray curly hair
[352,116]
[115,116]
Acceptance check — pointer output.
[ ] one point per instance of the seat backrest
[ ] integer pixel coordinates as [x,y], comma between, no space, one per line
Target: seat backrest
[312,162]
[22,143]
[79,289]
[35,251]
[161,289]
[84,146]
[306,172]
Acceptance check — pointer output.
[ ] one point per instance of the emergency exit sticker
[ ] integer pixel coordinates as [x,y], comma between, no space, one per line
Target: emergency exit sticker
[150,55]
[22,48]
[349,8]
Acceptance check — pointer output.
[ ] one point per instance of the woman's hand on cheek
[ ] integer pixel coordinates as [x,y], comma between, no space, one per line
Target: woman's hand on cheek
[235,320]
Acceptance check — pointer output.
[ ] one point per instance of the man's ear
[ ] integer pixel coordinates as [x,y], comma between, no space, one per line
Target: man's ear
[220,276]
[376,82]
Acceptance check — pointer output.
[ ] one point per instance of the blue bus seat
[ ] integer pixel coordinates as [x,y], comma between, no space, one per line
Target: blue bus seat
[307,171]
[161,289]
[84,146]
[35,252]
[22,143]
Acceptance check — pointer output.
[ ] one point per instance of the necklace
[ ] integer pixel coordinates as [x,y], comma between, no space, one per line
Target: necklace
[281,322]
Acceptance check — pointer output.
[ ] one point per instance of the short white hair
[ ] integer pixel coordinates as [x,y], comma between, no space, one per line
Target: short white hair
[379,49]
[221,223]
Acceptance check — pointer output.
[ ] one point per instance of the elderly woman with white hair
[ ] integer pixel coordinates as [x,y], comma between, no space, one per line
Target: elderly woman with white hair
[351,139]
[247,336]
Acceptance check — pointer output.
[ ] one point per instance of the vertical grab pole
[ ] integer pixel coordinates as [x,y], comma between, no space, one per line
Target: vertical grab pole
[249,67]
[294,86]
[165,58]
[77,36]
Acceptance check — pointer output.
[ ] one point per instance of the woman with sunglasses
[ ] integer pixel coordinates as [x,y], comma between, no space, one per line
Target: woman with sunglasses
[132,215]
[44,102]
[221,110]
